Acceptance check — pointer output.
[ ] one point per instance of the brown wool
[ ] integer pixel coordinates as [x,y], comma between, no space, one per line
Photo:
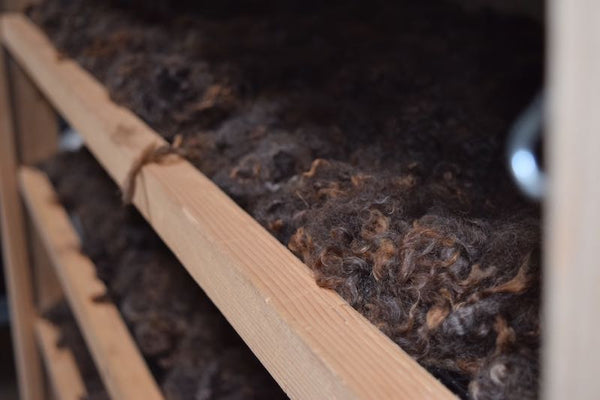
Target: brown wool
[379,167]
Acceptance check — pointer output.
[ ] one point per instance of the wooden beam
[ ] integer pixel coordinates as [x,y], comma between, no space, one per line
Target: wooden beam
[572,270]
[61,368]
[120,364]
[312,342]
[36,130]
[16,262]
[36,125]
[36,122]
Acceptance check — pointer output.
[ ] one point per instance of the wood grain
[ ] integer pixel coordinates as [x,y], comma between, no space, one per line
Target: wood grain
[120,364]
[313,343]
[16,263]
[572,271]
[61,368]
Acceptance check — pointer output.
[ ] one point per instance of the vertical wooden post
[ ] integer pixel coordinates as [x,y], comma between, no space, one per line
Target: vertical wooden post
[35,122]
[36,127]
[571,359]
[18,276]
[36,130]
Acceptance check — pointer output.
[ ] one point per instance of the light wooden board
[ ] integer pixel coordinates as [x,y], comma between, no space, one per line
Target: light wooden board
[16,263]
[61,368]
[120,364]
[572,266]
[313,343]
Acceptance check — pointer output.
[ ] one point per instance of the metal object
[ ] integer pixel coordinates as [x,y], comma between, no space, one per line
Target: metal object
[522,160]
[70,140]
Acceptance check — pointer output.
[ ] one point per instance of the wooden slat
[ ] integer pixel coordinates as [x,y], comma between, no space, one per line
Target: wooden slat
[572,274]
[16,263]
[121,366]
[311,341]
[61,368]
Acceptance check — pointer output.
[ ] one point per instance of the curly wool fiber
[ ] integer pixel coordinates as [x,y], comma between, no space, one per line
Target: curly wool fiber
[455,292]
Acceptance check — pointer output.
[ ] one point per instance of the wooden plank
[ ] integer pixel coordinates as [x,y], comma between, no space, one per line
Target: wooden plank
[311,340]
[120,364]
[16,263]
[63,373]
[36,128]
[572,271]
[36,122]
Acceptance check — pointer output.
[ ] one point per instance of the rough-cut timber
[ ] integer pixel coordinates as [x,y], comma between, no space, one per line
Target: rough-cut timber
[36,123]
[312,342]
[16,261]
[120,364]
[65,380]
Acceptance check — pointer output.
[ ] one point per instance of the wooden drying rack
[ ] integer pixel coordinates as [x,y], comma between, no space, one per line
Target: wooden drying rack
[311,341]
